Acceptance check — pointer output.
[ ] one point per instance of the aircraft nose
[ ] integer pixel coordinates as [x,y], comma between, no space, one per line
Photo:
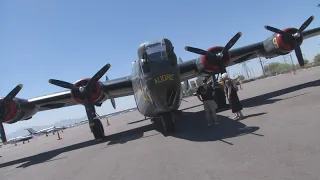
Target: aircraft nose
[164,90]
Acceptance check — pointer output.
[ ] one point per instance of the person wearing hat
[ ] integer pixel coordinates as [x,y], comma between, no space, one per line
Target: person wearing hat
[232,95]
[205,93]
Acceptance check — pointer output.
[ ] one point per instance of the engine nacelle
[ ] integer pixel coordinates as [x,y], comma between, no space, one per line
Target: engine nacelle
[210,63]
[97,96]
[17,111]
[279,44]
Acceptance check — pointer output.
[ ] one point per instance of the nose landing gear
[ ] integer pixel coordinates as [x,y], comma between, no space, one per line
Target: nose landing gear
[165,123]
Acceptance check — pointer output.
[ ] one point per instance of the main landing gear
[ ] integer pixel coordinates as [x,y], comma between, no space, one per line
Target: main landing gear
[85,92]
[165,123]
[97,129]
[95,123]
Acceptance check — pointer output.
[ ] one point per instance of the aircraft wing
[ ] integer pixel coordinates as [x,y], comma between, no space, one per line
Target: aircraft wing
[262,49]
[110,89]
[276,45]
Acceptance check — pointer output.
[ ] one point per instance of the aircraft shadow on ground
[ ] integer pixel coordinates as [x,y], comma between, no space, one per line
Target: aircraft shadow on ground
[193,126]
[190,126]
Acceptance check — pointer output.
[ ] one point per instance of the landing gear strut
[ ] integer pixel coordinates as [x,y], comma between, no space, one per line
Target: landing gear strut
[164,123]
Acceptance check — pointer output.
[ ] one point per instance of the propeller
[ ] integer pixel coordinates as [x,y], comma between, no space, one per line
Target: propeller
[220,57]
[84,90]
[294,37]
[4,107]
[113,102]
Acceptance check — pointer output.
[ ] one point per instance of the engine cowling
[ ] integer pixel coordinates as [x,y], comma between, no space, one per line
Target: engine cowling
[285,42]
[210,63]
[97,94]
[17,111]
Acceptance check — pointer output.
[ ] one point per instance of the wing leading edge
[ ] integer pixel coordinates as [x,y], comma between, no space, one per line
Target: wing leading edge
[112,89]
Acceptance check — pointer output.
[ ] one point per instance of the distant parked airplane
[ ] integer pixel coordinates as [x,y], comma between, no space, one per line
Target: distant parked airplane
[20,139]
[45,131]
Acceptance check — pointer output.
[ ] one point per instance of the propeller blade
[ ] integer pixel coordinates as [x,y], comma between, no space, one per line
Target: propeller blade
[11,95]
[275,30]
[306,24]
[299,55]
[198,51]
[3,134]
[98,75]
[111,99]
[63,84]
[3,104]
[113,103]
[232,41]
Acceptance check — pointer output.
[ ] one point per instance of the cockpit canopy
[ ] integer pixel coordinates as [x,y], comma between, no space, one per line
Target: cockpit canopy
[156,50]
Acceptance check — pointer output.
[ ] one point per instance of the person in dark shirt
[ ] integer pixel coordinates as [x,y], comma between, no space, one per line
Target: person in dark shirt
[205,93]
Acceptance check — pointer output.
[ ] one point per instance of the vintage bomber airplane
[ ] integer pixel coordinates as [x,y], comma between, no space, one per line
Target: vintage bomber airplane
[155,80]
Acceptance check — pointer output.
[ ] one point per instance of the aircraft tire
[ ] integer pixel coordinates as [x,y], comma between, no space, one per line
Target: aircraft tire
[167,123]
[97,129]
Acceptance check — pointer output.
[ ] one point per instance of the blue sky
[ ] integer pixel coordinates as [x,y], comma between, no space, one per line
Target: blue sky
[72,39]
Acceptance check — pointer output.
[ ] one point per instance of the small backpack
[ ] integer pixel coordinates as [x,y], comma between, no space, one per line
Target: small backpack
[233,85]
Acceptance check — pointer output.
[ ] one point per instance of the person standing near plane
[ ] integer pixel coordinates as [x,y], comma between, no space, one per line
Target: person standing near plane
[232,95]
[205,93]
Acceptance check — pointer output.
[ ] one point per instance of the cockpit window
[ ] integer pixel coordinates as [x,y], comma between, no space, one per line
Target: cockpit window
[156,51]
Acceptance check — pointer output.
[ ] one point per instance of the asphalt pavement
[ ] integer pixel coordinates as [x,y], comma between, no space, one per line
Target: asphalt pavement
[278,139]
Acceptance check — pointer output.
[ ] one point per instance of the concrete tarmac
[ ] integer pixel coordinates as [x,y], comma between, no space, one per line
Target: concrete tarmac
[278,139]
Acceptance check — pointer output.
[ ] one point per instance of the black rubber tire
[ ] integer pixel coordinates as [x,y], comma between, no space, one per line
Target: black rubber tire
[97,129]
[156,123]
[168,124]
